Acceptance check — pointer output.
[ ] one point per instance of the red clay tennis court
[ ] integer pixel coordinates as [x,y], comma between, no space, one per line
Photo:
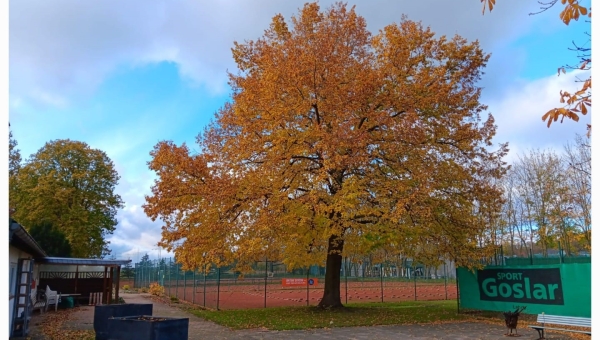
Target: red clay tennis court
[252,294]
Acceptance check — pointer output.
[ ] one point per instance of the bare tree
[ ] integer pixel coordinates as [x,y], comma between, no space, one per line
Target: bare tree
[578,162]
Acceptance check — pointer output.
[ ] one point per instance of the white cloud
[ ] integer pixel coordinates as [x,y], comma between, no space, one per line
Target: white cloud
[135,233]
[69,47]
[518,114]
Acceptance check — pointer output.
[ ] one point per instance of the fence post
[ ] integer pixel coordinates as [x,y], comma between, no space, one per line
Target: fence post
[204,290]
[266,274]
[381,279]
[445,280]
[457,291]
[346,275]
[530,257]
[307,275]
[560,256]
[194,289]
[177,279]
[218,285]
[184,284]
[415,278]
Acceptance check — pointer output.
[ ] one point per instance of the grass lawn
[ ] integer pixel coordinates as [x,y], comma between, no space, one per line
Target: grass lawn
[355,314]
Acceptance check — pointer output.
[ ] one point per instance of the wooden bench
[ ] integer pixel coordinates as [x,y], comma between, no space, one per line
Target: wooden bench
[39,302]
[561,320]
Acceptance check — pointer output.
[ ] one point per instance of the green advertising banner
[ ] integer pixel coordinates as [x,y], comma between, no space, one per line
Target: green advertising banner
[559,289]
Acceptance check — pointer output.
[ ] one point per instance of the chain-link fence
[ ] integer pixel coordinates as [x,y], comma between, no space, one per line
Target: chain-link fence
[535,257]
[270,284]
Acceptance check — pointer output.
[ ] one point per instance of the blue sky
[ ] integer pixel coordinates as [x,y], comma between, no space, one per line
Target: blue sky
[122,76]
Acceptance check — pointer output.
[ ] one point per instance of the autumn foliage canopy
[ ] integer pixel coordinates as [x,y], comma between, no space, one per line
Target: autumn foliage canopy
[336,141]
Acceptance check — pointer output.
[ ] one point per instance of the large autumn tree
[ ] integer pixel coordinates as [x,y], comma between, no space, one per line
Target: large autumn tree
[70,187]
[335,139]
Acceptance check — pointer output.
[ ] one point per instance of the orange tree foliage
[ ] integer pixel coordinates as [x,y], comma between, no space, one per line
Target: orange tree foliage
[580,101]
[335,142]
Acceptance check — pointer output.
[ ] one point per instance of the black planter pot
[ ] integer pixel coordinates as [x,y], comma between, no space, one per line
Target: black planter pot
[148,327]
[104,312]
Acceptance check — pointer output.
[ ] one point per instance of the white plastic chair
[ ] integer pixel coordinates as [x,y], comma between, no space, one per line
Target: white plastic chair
[52,298]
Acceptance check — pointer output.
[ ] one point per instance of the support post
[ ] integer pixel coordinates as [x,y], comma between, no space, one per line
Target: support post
[104,290]
[110,285]
[76,277]
[117,283]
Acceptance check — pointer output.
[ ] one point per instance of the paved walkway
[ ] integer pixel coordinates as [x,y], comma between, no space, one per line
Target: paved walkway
[202,329]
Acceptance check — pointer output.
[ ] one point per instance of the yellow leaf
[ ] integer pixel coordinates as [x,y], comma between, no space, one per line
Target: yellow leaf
[545,116]
[573,116]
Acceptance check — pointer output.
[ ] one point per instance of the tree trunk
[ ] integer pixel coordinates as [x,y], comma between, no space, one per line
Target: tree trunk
[331,295]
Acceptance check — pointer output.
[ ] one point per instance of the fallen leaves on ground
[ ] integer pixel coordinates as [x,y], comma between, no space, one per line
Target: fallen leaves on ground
[54,327]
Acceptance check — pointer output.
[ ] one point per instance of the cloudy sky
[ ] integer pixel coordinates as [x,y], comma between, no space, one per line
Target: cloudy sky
[124,75]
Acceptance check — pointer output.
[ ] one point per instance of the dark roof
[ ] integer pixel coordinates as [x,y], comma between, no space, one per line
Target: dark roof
[82,262]
[20,238]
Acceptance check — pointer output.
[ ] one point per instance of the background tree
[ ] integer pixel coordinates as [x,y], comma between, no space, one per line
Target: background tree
[335,140]
[548,201]
[51,240]
[71,186]
[579,101]
[578,164]
[127,271]
[14,164]
[145,260]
